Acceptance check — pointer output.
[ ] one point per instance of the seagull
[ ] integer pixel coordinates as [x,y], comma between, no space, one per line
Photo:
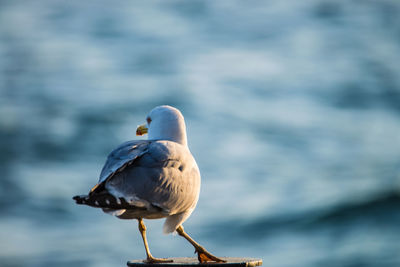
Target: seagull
[152,179]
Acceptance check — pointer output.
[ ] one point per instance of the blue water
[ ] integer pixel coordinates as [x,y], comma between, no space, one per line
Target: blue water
[292,109]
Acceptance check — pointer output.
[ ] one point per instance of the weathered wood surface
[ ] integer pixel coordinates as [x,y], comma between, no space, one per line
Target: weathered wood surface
[182,262]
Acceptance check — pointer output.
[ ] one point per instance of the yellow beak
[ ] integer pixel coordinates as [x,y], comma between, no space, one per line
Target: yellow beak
[141,130]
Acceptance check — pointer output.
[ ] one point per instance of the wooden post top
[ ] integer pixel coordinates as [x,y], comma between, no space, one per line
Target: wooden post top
[193,262]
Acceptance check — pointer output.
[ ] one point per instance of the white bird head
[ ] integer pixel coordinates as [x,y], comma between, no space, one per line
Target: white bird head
[164,123]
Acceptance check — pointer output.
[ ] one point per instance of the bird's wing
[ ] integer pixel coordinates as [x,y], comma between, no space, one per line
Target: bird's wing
[150,178]
[124,155]
[121,157]
[165,175]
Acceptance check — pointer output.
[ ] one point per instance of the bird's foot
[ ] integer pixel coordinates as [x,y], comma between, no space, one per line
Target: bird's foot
[156,260]
[204,256]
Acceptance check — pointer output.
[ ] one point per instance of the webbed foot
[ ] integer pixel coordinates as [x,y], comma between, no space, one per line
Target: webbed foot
[151,259]
[205,256]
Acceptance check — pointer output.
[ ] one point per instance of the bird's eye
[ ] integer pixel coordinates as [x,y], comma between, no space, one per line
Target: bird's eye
[148,119]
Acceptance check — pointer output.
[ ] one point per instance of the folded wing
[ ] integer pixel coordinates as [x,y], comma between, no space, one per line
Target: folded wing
[148,179]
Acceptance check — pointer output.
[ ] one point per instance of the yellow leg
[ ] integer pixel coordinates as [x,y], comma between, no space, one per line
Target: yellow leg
[150,258]
[202,254]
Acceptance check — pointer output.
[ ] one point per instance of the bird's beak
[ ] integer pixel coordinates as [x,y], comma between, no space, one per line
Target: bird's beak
[141,130]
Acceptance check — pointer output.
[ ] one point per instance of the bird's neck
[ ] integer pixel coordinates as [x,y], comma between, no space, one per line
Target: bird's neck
[177,135]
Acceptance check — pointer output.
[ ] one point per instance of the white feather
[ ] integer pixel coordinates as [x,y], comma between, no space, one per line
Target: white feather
[115,212]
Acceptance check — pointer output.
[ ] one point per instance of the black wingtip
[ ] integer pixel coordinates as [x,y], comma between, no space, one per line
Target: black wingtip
[105,200]
[80,199]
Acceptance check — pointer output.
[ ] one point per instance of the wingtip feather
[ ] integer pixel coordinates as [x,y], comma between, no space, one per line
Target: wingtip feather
[80,199]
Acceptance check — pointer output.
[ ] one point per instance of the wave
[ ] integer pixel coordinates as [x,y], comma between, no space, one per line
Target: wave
[378,210]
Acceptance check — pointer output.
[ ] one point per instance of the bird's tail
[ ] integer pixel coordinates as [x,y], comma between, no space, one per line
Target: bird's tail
[104,200]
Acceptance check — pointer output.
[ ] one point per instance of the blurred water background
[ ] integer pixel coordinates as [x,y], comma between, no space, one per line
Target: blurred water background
[292,109]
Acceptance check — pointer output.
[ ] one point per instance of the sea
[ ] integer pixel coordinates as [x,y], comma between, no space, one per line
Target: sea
[292,111]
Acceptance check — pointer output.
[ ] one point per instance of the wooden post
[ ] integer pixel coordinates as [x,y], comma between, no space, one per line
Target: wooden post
[192,262]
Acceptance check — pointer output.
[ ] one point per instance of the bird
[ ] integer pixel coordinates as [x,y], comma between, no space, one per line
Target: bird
[152,179]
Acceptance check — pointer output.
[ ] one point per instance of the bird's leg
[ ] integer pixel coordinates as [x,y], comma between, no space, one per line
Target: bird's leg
[150,258]
[202,254]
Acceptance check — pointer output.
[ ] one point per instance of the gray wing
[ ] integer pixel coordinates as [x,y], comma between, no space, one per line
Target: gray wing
[165,176]
[123,156]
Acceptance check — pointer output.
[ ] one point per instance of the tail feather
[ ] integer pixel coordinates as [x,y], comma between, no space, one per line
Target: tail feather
[105,200]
